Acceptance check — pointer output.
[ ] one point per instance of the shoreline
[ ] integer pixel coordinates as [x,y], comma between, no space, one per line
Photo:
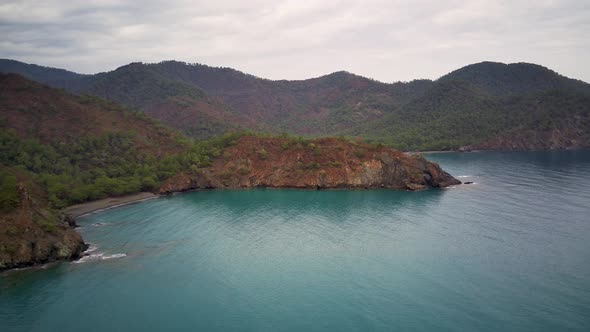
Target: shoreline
[434,151]
[82,209]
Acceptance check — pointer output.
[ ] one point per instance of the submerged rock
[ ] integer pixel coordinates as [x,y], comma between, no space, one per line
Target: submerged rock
[326,163]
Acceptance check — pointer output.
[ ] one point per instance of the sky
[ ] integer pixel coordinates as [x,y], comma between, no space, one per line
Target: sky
[384,40]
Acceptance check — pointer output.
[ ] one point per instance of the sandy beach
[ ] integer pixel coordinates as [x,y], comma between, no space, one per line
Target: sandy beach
[78,210]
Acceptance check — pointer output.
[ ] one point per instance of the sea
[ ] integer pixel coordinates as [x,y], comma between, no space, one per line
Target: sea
[508,252]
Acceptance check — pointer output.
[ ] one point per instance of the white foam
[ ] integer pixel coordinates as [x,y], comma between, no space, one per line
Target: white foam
[91,248]
[114,256]
[465,176]
[97,257]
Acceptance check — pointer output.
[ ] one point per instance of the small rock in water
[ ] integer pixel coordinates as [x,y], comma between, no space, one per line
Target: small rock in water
[468,182]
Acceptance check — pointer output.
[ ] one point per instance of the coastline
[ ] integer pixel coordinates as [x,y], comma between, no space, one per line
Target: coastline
[79,210]
[433,152]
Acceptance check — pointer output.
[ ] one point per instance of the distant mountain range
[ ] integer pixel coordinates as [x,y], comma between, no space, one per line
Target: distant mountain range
[485,105]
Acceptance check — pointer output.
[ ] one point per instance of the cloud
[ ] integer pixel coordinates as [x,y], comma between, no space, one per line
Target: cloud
[386,40]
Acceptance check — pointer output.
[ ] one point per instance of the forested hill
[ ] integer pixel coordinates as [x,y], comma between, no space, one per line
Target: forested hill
[216,97]
[81,148]
[500,79]
[59,78]
[471,106]
[516,106]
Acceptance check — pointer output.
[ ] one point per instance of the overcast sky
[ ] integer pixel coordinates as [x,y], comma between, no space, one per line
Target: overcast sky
[385,40]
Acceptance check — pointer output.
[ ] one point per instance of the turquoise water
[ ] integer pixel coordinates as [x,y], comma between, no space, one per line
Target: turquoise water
[508,253]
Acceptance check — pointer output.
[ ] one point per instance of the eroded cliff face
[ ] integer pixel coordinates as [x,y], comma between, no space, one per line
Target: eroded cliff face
[32,235]
[326,163]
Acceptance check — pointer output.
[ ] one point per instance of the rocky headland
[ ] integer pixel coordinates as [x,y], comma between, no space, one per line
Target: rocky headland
[326,163]
[33,235]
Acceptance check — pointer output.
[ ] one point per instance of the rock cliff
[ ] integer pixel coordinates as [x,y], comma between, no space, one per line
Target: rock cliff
[326,163]
[31,235]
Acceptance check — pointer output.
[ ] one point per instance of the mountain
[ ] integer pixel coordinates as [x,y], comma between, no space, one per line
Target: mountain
[492,102]
[545,121]
[194,97]
[499,79]
[320,106]
[55,77]
[175,103]
[478,103]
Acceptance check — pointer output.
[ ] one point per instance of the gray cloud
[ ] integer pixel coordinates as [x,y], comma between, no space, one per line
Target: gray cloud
[386,40]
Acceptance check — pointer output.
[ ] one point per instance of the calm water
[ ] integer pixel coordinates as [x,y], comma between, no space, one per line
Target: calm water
[509,253]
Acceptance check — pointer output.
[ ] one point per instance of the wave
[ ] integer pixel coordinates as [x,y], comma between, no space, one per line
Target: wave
[469,184]
[98,257]
[91,248]
[465,176]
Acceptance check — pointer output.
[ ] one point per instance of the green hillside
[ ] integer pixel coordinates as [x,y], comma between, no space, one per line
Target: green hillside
[467,107]
[85,148]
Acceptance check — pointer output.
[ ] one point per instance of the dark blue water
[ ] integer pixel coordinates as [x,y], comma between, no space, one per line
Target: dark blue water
[508,253]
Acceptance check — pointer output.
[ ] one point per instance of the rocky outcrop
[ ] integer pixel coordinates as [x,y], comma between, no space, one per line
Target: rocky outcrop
[326,163]
[32,235]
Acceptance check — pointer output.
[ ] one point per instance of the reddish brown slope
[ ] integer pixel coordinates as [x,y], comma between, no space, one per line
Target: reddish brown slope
[197,118]
[30,235]
[34,110]
[321,163]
